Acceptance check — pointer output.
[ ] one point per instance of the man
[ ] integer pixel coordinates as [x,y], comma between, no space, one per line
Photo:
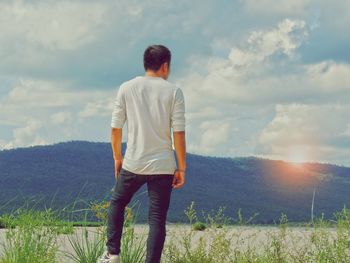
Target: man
[152,106]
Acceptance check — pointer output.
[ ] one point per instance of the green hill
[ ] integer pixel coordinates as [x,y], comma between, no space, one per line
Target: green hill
[56,175]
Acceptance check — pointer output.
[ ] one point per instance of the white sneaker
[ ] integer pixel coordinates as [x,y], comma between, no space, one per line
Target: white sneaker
[105,258]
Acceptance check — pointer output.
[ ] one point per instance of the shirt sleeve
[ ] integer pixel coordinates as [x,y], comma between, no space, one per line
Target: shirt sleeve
[178,120]
[119,110]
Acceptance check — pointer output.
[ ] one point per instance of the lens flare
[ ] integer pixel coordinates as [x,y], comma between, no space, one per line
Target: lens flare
[297,154]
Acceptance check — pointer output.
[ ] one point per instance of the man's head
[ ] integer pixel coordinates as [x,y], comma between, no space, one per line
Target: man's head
[156,61]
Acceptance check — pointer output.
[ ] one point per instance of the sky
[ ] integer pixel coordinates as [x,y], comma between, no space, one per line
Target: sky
[261,78]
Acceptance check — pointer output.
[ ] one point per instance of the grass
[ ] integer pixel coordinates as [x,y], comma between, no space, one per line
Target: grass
[216,245]
[33,239]
[32,236]
[133,248]
[85,248]
[89,245]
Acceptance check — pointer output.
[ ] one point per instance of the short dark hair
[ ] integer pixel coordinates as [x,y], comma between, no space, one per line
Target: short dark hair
[155,55]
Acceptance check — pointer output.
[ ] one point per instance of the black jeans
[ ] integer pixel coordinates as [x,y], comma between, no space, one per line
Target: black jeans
[159,191]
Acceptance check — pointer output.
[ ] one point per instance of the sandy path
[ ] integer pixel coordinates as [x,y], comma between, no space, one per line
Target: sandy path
[242,236]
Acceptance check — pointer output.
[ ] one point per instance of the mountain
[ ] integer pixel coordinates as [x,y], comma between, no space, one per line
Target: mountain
[56,175]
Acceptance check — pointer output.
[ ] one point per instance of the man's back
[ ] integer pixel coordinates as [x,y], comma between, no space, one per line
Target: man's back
[151,106]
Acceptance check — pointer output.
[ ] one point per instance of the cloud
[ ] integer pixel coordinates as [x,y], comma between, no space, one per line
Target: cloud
[63,120]
[213,136]
[243,72]
[93,43]
[43,111]
[61,117]
[286,38]
[246,77]
[238,77]
[28,92]
[49,25]
[329,77]
[49,39]
[308,130]
[99,107]
[26,135]
[261,79]
[282,7]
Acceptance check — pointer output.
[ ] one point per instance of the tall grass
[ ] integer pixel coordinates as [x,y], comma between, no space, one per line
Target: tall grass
[90,244]
[133,247]
[32,237]
[211,247]
[228,244]
[87,245]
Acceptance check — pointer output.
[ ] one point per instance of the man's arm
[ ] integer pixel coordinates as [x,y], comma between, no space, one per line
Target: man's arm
[180,149]
[117,123]
[116,142]
[178,123]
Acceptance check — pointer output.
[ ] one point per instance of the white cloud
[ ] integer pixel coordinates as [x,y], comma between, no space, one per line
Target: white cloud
[50,25]
[346,131]
[33,95]
[26,135]
[44,111]
[329,77]
[281,7]
[64,121]
[250,74]
[286,38]
[253,78]
[307,132]
[239,67]
[98,107]
[211,136]
[61,117]
[2,144]
[239,77]
[206,112]
[28,92]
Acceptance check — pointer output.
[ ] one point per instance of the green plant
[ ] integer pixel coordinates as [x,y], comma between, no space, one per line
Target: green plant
[200,226]
[31,236]
[64,227]
[217,219]
[33,239]
[342,242]
[87,245]
[133,247]
[211,245]
[2,223]
[241,220]
[191,213]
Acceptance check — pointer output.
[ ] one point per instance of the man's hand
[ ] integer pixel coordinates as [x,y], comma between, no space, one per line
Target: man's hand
[117,166]
[179,179]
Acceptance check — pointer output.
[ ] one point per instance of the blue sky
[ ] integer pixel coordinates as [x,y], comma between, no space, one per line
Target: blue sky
[260,78]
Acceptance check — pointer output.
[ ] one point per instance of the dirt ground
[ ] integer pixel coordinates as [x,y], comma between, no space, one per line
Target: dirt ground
[242,236]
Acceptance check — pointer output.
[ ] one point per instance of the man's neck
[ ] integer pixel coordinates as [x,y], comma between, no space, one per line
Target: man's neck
[153,74]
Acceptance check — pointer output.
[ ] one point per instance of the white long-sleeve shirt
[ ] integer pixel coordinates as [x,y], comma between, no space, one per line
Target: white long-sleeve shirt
[151,107]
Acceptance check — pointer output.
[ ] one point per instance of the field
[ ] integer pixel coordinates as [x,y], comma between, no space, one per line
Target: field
[38,236]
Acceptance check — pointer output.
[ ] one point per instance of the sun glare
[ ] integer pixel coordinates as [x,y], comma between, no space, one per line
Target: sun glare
[297,155]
